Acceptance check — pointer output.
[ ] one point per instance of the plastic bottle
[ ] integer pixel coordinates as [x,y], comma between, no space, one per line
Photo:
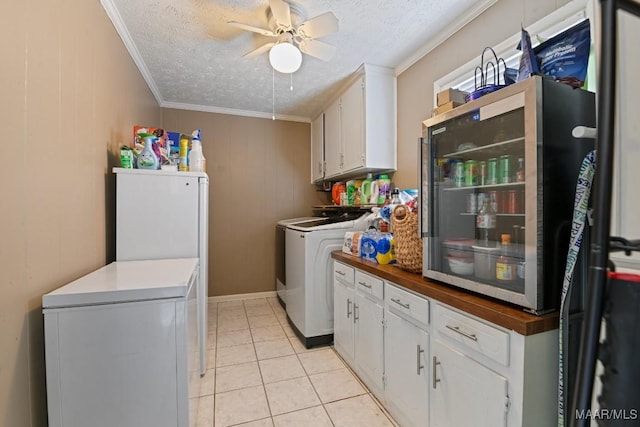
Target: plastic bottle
[365,189]
[485,222]
[147,159]
[383,188]
[184,149]
[505,266]
[375,193]
[196,158]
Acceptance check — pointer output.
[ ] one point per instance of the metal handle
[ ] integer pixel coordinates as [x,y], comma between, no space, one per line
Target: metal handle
[342,273]
[355,312]
[348,308]
[463,333]
[320,167]
[365,284]
[397,301]
[435,380]
[302,236]
[419,367]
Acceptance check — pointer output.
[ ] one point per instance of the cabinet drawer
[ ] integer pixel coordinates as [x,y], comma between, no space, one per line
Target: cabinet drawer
[343,272]
[407,303]
[487,340]
[369,285]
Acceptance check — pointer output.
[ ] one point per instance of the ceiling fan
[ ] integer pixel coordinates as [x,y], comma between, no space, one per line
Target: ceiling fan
[293,34]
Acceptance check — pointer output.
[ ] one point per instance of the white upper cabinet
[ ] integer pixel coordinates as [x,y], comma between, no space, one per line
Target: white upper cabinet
[317,149]
[360,126]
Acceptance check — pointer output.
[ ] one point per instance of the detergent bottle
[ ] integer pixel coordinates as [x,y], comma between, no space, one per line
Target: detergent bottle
[383,188]
[365,189]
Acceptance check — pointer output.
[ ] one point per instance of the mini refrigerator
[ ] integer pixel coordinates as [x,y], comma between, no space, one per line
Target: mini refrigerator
[165,214]
[121,346]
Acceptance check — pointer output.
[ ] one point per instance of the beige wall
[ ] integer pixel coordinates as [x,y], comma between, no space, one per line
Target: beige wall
[70,94]
[415,85]
[259,173]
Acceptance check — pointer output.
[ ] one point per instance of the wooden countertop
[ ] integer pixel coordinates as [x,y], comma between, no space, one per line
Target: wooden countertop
[499,313]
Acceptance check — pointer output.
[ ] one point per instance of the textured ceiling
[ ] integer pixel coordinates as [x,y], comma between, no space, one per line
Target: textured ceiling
[191,58]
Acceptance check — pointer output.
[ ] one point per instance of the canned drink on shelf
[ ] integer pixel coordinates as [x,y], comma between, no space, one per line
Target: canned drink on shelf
[481,198]
[458,174]
[505,170]
[511,204]
[494,200]
[472,203]
[470,173]
[492,171]
[482,173]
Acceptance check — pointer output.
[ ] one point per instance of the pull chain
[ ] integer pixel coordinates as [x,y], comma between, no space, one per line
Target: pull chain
[291,84]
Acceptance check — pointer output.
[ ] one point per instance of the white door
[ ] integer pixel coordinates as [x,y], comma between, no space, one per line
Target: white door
[466,393]
[317,149]
[369,341]
[156,216]
[407,371]
[353,126]
[332,140]
[343,319]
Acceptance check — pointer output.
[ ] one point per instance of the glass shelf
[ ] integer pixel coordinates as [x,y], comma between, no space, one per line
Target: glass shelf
[497,147]
[499,214]
[471,187]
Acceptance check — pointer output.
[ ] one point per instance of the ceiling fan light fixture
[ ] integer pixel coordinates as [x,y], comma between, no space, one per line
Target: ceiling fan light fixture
[285,58]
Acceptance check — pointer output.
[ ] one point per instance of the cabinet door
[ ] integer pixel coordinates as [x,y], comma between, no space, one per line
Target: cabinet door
[352,120]
[369,342]
[407,371]
[332,140]
[466,393]
[317,149]
[343,320]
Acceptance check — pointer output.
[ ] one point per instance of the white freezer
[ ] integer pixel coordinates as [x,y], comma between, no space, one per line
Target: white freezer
[121,346]
[165,214]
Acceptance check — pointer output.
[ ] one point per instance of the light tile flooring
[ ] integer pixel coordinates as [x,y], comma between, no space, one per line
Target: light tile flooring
[260,374]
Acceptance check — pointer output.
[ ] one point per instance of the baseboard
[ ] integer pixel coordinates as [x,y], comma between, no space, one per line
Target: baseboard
[240,297]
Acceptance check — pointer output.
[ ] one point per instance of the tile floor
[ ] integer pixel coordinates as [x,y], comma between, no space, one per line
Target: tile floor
[260,374]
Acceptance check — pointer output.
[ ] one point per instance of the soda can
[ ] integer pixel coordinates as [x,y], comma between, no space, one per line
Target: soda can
[494,200]
[481,198]
[470,173]
[482,173]
[505,169]
[511,204]
[458,174]
[472,203]
[492,171]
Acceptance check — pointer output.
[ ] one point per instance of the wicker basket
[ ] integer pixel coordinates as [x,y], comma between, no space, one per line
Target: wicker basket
[408,246]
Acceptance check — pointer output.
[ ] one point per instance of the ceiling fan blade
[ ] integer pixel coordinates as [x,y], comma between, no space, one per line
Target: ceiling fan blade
[281,12]
[321,25]
[318,49]
[248,27]
[258,51]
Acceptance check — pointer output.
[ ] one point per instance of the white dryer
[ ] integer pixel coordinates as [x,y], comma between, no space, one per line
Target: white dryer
[309,291]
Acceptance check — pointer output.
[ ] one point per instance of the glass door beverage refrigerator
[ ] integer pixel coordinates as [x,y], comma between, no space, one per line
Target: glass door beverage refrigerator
[498,178]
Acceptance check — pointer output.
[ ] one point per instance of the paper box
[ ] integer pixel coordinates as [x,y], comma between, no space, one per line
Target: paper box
[446,107]
[451,95]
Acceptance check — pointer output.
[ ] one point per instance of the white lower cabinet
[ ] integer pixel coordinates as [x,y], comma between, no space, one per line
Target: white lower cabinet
[465,393]
[434,365]
[406,354]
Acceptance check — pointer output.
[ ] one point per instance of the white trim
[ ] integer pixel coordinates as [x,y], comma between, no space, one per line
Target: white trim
[220,110]
[440,38]
[506,49]
[121,29]
[242,297]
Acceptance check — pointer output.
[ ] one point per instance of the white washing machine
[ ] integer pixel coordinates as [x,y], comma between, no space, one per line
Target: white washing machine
[309,290]
[281,281]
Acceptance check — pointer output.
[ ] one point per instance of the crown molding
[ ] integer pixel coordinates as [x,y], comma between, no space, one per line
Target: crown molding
[231,111]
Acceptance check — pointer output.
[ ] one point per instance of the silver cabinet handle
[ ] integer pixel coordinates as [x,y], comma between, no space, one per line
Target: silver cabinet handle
[355,312]
[419,367]
[365,284]
[435,380]
[463,333]
[348,308]
[397,301]
[342,273]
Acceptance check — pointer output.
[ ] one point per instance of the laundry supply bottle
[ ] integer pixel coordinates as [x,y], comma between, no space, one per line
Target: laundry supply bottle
[383,188]
[365,189]
[196,158]
[147,159]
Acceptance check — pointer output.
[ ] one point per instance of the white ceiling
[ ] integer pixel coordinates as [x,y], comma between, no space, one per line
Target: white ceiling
[192,59]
